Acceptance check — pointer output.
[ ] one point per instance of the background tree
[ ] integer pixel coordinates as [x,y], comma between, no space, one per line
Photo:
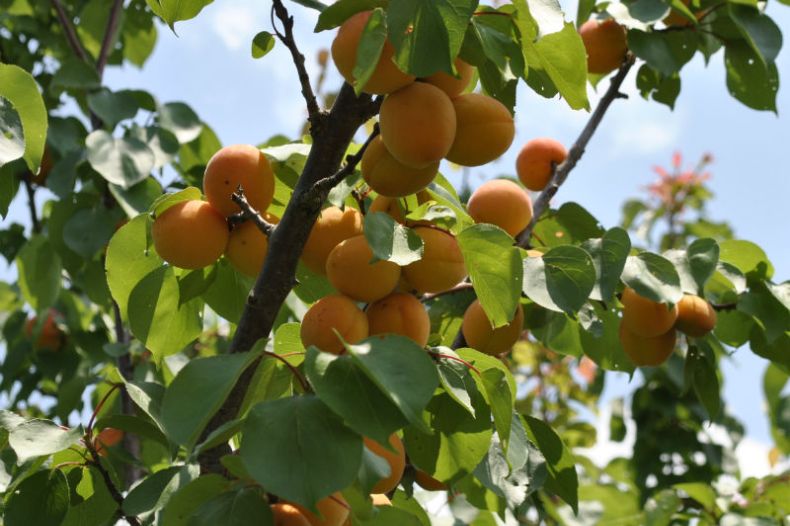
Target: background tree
[219,389]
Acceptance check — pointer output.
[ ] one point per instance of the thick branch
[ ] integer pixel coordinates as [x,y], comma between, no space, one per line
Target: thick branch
[248,212]
[577,150]
[68,30]
[314,113]
[285,246]
[109,36]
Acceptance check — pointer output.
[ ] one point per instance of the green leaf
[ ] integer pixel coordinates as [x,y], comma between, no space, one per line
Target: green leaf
[562,480]
[703,256]
[705,381]
[181,120]
[163,143]
[39,268]
[197,392]
[605,348]
[701,492]
[125,161]
[134,425]
[653,277]
[746,257]
[608,255]
[561,280]
[19,88]
[667,52]
[12,138]
[371,43]
[500,399]
[172,11]
[156,316]
[285,446]
[77,74]
[343,386]
[243,507]
[262,43]
[570,224]
[401,369]
[335,14]
[184,502]
[495,270]
[129,260]
[89,229]
[9,185]
[37,438]
[312,4]
[391,241]
[155,491]
[427,34]
[456,379]
[112,107]
[758,29]
[227,295]
[148,397]
[137,199]
[41,499]
[663,89]
[749,79]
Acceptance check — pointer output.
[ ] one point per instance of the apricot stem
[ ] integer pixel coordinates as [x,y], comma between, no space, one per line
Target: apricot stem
[302,381]
[456,359]
[248,212]
[577,150]
[89,427]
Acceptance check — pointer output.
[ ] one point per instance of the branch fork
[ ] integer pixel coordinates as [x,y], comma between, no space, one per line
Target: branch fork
[249,213]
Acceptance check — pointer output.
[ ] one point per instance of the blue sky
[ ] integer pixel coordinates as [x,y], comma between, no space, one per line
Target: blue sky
[209,66]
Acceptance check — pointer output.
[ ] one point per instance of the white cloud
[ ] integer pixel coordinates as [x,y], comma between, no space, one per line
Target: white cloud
[234,23]
[644,134]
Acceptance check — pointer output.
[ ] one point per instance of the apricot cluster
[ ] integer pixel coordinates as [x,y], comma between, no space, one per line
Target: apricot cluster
[648,330]
[193,234]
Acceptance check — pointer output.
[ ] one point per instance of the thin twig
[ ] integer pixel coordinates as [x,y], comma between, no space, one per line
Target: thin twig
[109,36]
[302,380]
[456,359]
[68,29]
[348,168]
[455,290]
[89,427]
[313,111]
[111,487]
[577,150]
[31,202]
[248,212]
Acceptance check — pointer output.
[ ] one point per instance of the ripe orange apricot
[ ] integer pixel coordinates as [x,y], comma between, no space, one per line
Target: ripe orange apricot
[190,234]
[696,316]
[386,78]
[502,203]
[379,499]
[332,226]
[285,514]
[332,511]
[107,437]
[479,334]
[402,314]
[676,19]
[427,482]
[645,317]
[451,85]
[329,314]
[247,247]
[50,337]
[605,44]
[391,178]
[649,352]
[396,460]
[442,265]
[485,130]
[418,124]
[350,271]
[239,165]
[534,162]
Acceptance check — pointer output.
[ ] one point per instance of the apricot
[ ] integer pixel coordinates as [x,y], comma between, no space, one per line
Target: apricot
[442,265]
[427,482]
[332,511]
[285,514]
[645,317]
[481,336]
[451,85]
[418,124]
[351,272]
[247,247]
[239,165]
[485,130]
[332,226]
[391,178]
[402,314]
[650,352]
[532,253]
[107,437]
[696,316]
[190,234]
[534,162]
[392,206]
[605,43]
[396,460]
[386,78]
[379,499]
[329,314]
[50,337]
[676,19]
[502,203]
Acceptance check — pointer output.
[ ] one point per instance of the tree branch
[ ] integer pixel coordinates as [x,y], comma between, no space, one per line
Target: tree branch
[278,275]
[31,203]
[68,29]
[577,150]
[111,487]
[109,36]
[248,212]
[458,288]
[327,183]
[314,113]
